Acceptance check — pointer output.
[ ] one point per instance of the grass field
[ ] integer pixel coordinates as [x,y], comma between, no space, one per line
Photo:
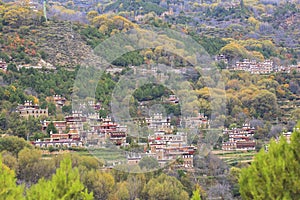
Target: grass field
[110,156]
[234,157]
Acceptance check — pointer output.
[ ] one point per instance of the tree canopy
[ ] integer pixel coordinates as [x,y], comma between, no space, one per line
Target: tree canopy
[274,174]
[8,186]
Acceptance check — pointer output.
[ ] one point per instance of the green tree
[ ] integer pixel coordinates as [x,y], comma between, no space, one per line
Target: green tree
[64,184]
[295,114]
[67,109]
[136,184]
[274,174]
[32,167]
[41,190]
[100,183]
[8,187]
[13,144]
[164,187]
[233,177]
[265,104]
[196,195]
[52,109]
[27,160]
[33,125]
[50,128]
[9,160]
[122,192]
[148,163]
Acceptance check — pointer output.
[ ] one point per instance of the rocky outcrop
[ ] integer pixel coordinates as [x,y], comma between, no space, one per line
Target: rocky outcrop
[62,44]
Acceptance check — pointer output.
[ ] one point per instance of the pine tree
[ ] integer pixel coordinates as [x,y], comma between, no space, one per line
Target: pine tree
[196,195]
[52,128]
[64,184]
[274,174]
[41,190]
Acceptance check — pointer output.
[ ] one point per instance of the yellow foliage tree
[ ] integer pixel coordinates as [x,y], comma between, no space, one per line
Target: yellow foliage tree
[91,15]
[257,56]
[234,50]
[103,29]
[253,21]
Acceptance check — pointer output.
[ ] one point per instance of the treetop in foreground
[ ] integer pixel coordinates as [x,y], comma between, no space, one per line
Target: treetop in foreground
[274,174]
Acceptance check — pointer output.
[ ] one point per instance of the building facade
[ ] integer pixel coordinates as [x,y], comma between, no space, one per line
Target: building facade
[29,109]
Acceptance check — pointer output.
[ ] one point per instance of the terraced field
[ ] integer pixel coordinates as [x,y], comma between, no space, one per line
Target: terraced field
[110,156]
[234,157]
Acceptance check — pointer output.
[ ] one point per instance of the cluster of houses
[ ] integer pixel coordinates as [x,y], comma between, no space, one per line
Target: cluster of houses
[67,131]
[83,130]
[67,134]
[71,132]
[158,122]
[264,67]
[30,109]
[39,66]
[106,131]
[165,145]
[166,149]
[288,69]
[286,134]
[200,121]
[239,138]
[255,67]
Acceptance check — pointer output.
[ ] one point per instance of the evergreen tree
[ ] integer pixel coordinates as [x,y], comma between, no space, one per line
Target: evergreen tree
[196,195]
[41,190]
[65,184]
[274,174]
[52,128]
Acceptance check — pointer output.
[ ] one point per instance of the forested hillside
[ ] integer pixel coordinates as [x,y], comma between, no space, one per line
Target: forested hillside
[173,140]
